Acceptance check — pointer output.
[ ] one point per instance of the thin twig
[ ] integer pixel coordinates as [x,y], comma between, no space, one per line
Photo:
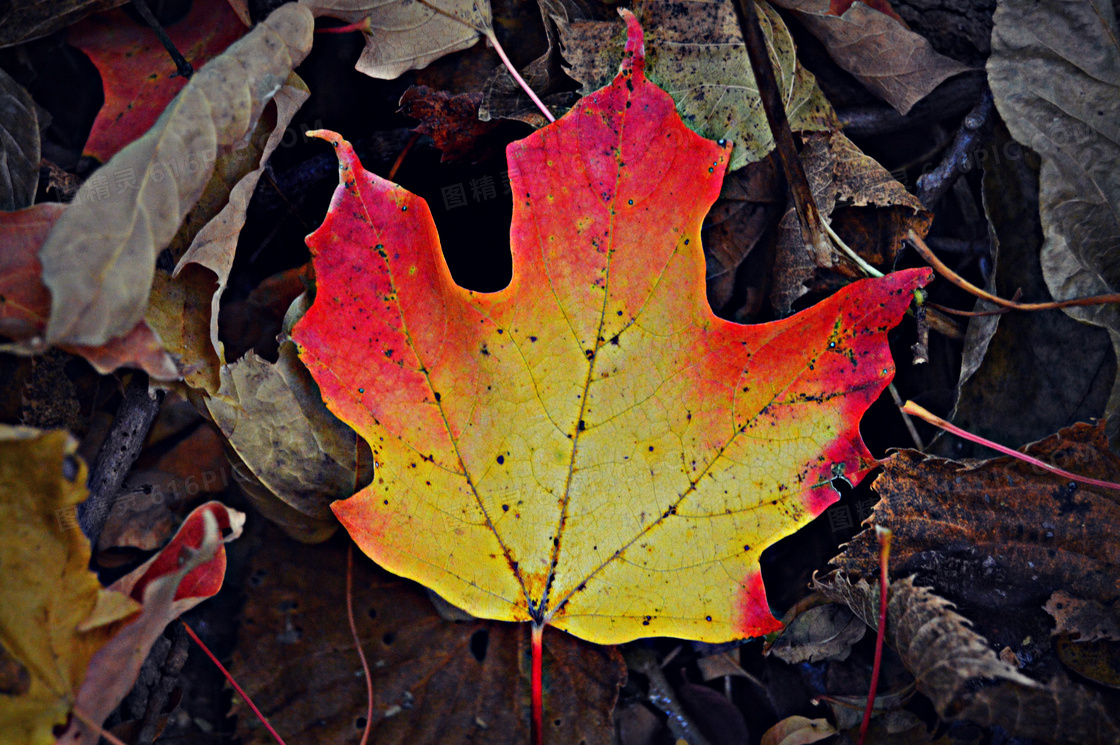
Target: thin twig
[812,227]
[974,132]
[912,408]
[869,270]
[88,721]
[493,39]
[182,66]
[940,267]
[404,152]
[357,639]
[906,419]
[118,453]
[233,683]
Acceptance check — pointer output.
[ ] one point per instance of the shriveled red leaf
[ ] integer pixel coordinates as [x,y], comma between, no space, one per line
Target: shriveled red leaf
[590,447]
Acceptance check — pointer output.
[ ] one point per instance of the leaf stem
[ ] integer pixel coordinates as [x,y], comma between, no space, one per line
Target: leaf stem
[912,408]
[357,639]
[492,37]
[940,267]
[537,695]
[884,535]
[88,721]
[233,683]
[183,68]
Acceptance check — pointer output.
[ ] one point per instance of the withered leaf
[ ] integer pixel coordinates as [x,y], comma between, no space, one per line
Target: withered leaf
[1055,76]
[25,301]
[99,259]
[434,681]
[286,441]
[406,34]
[843,179]
[19,145]
[695,52]
[451,121]
[895,63]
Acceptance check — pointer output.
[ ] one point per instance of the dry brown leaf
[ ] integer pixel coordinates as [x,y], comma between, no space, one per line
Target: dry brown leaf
[25,302]
[99,259]
[451,121]
[935,643]
[434,682]
[409,34]
[798,730]
[1085,620]
[823,632]
[843,179]
[286,440]
[1055,77]
[214,245]
[695,52]
[19,145]
[892,61]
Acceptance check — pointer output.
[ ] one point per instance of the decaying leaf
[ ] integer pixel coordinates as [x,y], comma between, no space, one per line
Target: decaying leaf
[1055,76]
[19,145]
[696,54]
[101,254]
[25,302]
[823,632]
[187,571]
[286,440]
[1016,534]
[798,730]
[843,179]
[893,62]
[54,614]
[451,121]
[214,245]
[1086,620]
[136,71]
[406,35]
[578,447]
[434,682]
[1001,395]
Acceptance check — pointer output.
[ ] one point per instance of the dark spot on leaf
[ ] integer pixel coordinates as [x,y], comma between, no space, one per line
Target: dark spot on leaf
[505,508]
[480,641]
[502,459]
[388,638]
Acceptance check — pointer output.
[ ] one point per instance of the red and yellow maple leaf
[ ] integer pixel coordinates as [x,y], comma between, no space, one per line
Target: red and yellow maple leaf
[591,447]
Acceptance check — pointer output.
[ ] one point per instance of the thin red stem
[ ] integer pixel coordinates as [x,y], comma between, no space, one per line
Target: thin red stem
[357,640]
[536,732]
[912,408]
[362,26]
[232,682]
[884,582]
[517,76]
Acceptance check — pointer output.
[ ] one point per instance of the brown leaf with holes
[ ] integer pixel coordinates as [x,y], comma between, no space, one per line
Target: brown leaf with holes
[433,681]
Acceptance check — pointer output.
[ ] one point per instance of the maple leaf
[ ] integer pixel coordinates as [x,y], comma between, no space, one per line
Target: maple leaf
[591,447]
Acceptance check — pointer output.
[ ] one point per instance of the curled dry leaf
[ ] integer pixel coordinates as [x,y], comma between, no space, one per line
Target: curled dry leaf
[1017,534]
[434,682]
[286,442]
[99,259]
[187,571]
[892,61]
[54,614]
[844,179]
[25,301]
[19,146]
[1085,620]
[823,632]
[136,71]
[406,35]
[577,447]
[710,80]
[1055,76]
